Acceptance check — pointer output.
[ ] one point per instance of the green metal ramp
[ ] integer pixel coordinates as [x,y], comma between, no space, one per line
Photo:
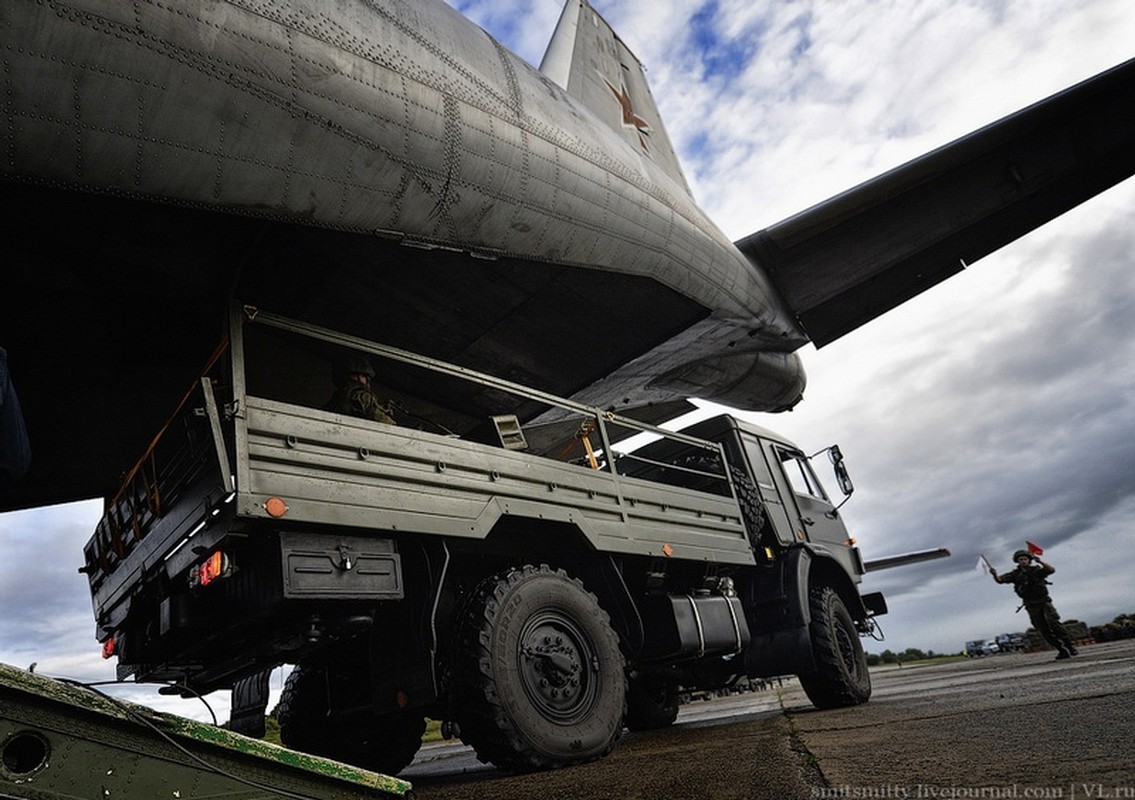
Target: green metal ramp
[62,740]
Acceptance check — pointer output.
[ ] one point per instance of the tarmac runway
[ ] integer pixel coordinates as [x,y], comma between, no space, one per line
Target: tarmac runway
[1006,726]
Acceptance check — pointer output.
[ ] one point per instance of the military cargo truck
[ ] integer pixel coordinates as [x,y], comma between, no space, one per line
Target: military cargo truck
[516,575]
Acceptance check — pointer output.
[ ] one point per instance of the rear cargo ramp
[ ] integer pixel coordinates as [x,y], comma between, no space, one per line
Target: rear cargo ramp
[60,740]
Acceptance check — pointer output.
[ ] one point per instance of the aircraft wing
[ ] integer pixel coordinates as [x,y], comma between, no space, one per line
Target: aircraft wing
[849,259]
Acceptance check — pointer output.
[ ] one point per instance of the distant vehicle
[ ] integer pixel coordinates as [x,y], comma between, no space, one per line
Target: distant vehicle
[1011,643]
[525,584]
[980,647]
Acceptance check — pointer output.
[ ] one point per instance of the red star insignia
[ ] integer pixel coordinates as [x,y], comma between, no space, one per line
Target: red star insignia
[630,119]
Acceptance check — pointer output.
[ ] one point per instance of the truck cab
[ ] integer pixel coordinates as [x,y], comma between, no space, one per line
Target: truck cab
[797,506]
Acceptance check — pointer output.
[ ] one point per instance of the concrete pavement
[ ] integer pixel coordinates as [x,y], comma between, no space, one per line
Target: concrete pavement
[1008,726]
[1023,725]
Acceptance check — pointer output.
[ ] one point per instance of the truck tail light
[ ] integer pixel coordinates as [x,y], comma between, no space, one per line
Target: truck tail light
[216,566]
[109,647]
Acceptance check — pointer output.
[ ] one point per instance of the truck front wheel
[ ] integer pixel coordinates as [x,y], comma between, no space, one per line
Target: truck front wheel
[841,677]
[540,673]
[383,743]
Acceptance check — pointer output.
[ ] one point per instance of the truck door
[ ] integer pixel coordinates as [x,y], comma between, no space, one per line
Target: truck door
[812,504]
[783,516]
[813,515]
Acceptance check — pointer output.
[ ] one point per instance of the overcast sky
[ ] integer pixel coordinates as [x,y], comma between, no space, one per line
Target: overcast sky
[997,407]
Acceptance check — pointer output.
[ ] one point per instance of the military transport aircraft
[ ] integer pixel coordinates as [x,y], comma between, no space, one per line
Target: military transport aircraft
[386,168]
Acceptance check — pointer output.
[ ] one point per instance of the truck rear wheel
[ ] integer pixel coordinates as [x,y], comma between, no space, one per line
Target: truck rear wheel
[841,677]
[540,673]
[383,743]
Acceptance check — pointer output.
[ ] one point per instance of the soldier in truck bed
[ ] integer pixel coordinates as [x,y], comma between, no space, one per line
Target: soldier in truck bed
[353,394]
[1030,585]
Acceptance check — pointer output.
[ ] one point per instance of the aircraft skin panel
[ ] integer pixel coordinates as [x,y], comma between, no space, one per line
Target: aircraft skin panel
[849,259]
[668,371]
[254,110]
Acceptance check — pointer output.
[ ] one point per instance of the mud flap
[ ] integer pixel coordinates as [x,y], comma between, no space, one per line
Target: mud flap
[249,702]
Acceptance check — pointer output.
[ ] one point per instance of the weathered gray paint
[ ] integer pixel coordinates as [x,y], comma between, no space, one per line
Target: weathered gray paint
[412,481]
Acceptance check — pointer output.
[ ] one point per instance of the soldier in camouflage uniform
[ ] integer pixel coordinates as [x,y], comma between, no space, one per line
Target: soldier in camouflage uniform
[1030,585]
[354,396]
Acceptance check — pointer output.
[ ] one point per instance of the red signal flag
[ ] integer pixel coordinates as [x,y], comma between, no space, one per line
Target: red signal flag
[1034,548]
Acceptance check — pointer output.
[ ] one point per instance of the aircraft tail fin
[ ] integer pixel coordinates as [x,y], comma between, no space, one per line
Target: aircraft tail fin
[588,60]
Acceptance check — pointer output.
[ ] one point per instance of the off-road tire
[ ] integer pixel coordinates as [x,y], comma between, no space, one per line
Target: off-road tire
[383,743]
[528,635]
[752,506]
[841,677]
[650,705]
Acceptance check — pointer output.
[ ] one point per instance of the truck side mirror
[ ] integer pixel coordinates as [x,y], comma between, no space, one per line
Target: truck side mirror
[841,476]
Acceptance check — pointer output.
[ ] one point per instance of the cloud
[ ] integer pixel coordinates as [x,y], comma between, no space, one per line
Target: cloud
[47,608]
[526,25]
[835,93]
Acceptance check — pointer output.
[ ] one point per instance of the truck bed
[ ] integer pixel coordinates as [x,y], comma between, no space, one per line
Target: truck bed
[336,470]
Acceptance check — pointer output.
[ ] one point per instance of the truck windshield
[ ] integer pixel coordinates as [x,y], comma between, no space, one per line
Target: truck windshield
[800,475]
